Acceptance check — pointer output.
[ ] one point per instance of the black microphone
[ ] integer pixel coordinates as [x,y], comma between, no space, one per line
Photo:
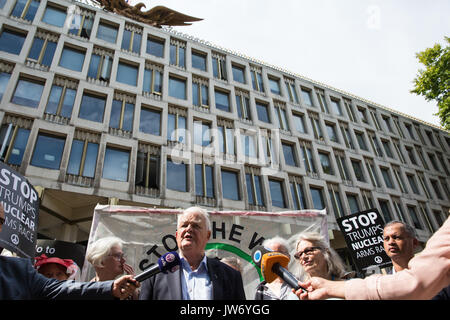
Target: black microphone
[274,264]
[169,262]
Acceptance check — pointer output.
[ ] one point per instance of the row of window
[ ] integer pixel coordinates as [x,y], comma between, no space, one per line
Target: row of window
[100,66]
[48,151]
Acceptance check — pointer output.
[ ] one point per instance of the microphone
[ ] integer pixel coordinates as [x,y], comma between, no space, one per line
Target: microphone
[274,264]
[168,262]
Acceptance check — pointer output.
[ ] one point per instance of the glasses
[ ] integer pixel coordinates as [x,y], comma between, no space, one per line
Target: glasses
[308,251]
[117,256]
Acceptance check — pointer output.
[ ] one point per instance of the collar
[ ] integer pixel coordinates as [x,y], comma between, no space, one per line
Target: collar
[186,266]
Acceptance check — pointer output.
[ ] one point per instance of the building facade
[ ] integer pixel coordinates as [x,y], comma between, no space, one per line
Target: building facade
[98,108]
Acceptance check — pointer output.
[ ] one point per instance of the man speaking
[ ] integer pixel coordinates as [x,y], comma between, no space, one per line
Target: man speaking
[200,277]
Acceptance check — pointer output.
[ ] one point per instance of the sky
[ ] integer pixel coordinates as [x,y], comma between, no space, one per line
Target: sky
[363,47]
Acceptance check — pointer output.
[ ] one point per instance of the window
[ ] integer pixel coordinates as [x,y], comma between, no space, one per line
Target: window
[83,158]
[254,187]
[423,210]
[306,96]
[238,73]
[248,145]
[399,179]
[413,184]
[4,79]
[424,185]
[107,32]
[150,121]
[413,214]
[419,133]
[274,85]
[386,212]
[299,122]
[397,125]
[115,166]
[132,38]
[55,15]
[226,136]
[348,107]
[127,73]
[367,198]
[290,88]
[28,92]
[317,198]
[361,140]
[358,170]
[331,130]
[270,152]
[222,100]
[101,63]
[387,123]
[43,49]
[230,185]
[147,167]
[72,58]
[122,113]
[199,60]
[306,154]
[263,112]
[277,193]
[13,139]
[82,22]
[410,131]
[153,76]
[342,165]
[436,188]
[12,41]
[48,151]
[176,127]
[347,136]
[315,123]
[257,81]
[373,114]
[243,105]
[336,107]
[280,111]
[219,66]
[177,53]
[25,9]
[155,47]
[92,107]
[289,154]
[202,133]
[372,173]
[387,148]
[335,196]
[387,177]
[375,145]
[363,115]
[430,137]
[412,157]
[61,98]
[322,102]
[433,161]
[177,87]
[204,180]
[353,203]
[396,144]
[200,94]
[326,164]
[297,193]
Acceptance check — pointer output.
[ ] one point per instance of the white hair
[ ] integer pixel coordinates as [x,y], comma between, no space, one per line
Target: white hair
[100,249]
[278,240]
[199,210]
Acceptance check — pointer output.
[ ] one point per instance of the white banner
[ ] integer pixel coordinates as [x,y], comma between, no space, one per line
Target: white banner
[149,233]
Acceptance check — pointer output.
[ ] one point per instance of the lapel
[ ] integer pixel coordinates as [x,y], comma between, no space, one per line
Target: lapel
[174,284]
[213,270]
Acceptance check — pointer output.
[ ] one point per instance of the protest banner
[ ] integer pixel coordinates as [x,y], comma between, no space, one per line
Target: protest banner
[20,202]
[363,233]
[149,233]
[61,249]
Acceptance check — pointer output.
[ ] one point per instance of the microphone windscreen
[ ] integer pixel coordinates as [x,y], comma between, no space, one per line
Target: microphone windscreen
[267,262]
[257,254]
[169,262]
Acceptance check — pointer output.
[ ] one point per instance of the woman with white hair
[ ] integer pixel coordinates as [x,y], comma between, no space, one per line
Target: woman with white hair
[317,259]
[107,258]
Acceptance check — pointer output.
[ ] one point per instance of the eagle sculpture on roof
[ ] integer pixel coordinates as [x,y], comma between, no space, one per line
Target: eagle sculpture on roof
[157,16]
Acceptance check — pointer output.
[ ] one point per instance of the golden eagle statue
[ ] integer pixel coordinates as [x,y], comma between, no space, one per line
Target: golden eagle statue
[157,16]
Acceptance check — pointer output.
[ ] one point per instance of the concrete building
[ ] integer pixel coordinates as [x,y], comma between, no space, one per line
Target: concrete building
[98,108]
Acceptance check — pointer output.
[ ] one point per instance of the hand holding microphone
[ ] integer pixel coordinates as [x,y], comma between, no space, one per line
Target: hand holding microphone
[273,265]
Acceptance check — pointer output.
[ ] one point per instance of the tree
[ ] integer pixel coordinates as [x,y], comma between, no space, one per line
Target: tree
[434,82]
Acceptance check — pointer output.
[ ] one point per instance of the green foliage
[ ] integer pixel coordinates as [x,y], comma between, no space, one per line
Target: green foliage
[434,82]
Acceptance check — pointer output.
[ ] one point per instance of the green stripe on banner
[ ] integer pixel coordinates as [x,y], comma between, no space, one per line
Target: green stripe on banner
[236,251]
